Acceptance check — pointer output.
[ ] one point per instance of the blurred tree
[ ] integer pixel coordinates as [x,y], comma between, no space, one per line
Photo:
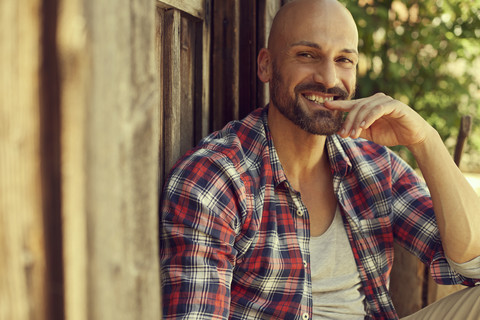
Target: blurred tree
[424,53]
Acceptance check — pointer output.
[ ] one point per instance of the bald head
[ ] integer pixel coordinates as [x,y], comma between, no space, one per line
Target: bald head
[314,15]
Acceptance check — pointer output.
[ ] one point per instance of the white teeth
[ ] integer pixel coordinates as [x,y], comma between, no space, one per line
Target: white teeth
[318,99]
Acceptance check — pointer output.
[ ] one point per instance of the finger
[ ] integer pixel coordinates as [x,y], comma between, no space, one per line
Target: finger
[348,128]
[377,112]
[372,111]
[363,115]
[356,133]
[342,105]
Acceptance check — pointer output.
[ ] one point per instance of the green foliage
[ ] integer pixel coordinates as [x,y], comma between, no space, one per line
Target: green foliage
[424,53]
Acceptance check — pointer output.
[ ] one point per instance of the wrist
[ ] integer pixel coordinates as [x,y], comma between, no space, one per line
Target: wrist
[431,141]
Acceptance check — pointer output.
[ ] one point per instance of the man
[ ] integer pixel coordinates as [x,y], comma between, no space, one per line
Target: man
[288,215]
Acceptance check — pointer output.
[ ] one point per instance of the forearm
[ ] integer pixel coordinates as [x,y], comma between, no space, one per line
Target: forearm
[455,203]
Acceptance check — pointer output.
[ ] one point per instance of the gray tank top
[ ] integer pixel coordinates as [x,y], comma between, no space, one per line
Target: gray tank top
[336,287]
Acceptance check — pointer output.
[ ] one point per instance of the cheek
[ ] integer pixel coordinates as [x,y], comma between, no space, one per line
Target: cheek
[349,79]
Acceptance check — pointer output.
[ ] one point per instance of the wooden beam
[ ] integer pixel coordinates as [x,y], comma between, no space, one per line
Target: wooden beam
[159,50]
[266,12]
[225,62]
[406,284]
[75,75]
[195,8]
[109,159]
[22,236]
[203,74]
[172,91]
[463,133]
[247,58]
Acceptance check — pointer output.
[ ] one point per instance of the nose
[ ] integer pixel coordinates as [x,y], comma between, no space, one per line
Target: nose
[326,74]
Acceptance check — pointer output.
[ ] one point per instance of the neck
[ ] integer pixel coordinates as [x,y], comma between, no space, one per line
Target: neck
[302,154]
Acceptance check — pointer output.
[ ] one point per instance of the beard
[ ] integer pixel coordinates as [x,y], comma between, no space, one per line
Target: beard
[319,122]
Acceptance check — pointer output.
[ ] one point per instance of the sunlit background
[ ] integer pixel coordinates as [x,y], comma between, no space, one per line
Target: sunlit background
[426,54]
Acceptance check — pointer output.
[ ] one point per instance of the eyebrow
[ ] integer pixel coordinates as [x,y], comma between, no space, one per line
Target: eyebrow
[316,46]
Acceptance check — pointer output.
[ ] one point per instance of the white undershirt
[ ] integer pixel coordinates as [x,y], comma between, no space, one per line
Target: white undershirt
[336,287]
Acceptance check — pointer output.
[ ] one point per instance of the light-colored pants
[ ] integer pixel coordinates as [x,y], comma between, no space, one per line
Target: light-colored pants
[461,305]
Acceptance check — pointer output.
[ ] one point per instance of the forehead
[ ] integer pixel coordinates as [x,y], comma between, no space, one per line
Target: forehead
[329,25]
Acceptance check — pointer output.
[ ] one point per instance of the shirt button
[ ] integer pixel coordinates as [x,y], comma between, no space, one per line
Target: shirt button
[305,264]
[299,213]
[305,316]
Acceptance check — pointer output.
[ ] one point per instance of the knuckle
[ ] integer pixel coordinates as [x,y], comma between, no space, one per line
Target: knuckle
[379,108]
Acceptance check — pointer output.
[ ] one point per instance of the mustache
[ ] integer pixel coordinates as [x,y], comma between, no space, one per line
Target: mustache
[318,87]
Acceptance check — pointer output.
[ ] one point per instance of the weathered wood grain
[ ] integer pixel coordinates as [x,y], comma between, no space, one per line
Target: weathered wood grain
[186,51]
[23,284]
[195,8]
[247,58]
[185,63]
[110,107]
[407,282]
[172,87]
[225,62]
[266,12]
[203,74]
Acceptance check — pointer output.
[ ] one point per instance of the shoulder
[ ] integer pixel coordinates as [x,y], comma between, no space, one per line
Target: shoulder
[223,155]
[239,142]
[210,177]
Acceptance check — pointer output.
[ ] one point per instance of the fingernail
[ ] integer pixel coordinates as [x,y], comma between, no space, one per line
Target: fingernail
[362,124]
[353,133]
[343,131]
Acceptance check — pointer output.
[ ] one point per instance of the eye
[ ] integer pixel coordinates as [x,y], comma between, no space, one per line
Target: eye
[305,55]
[345,60]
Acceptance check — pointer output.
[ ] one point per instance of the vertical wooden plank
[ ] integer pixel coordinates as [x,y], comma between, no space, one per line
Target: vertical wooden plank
[110,159]
[225,62]
[266,12]
[247,57]
[159,38]
[121,187]
[75,64]
[172,87]
[202,74]
[407,279]
[187,106]
[51,162]
[22,247]
[185,61]
[141,124]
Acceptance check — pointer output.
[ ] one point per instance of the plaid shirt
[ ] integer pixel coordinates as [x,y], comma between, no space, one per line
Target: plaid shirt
[235,235]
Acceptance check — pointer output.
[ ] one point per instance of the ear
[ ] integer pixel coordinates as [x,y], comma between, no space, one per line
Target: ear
[264,65]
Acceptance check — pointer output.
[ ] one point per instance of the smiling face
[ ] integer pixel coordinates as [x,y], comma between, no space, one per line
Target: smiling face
[312,58]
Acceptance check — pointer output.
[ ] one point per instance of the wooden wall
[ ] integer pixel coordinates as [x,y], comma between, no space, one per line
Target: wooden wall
[238,33]
[79,128]
[110,127]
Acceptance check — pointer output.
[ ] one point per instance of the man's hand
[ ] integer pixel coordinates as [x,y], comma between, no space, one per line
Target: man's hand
[381,119]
